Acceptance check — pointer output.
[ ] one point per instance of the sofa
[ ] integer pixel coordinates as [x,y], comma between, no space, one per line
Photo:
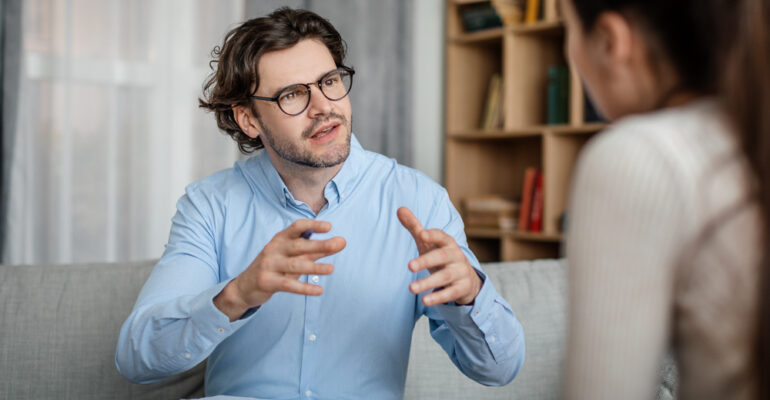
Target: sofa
[60,325]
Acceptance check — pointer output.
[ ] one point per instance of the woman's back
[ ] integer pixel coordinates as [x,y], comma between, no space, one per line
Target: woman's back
[664,251]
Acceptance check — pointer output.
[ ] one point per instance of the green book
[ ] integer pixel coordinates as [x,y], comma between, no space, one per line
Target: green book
[558,95]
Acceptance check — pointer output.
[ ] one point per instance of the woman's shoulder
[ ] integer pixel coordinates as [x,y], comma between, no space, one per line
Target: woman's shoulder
[687,138]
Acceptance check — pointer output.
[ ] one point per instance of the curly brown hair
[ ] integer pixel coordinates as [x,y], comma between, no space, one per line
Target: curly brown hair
[231,82]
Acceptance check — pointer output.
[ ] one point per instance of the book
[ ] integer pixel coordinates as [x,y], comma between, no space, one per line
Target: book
[533,11]
[479,16]
[557,109]
[530,174]
[536,216]
[492,114]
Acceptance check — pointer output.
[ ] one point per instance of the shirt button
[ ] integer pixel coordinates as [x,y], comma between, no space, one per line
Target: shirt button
[476,312]
[492,339]
[308,393]
[314,278]
[312,337]
[221,330]
[187,355]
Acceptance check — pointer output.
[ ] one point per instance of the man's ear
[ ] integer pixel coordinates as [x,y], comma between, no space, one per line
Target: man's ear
[613,39]
[246,120]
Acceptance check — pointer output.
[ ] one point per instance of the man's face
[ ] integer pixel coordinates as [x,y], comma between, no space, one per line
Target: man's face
[319,137]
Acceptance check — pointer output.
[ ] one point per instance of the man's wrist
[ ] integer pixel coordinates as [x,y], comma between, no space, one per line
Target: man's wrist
[478,284]
[230,303]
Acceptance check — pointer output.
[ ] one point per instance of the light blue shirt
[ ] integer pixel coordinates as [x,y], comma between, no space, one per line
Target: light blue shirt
[353,341]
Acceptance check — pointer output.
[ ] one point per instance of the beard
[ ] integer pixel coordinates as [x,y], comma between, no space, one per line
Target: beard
[295,153]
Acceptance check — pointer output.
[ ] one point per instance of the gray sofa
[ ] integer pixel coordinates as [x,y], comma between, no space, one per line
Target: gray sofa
[60,325]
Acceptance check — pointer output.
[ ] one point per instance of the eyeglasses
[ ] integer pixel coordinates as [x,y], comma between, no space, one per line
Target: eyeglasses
[294,99]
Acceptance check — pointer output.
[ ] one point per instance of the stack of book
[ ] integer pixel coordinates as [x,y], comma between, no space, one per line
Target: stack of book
[490,212]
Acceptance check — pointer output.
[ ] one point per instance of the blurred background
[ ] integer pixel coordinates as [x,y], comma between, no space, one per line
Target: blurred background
[100,126]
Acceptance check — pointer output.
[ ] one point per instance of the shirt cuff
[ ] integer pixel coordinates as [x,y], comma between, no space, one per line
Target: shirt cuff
[485,313]
[211,323]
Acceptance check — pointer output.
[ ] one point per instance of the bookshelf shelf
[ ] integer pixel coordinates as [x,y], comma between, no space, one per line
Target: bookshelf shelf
[483,233]
[493,161]
[495,233]
[487,35]
[494,135]
[533,131]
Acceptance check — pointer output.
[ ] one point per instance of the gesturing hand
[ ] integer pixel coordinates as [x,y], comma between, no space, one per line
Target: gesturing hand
[278,266]
[451,278]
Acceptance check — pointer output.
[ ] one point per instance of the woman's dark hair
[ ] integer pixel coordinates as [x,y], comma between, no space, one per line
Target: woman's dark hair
[720,47]
[680,31]
[236,76]
[747,93]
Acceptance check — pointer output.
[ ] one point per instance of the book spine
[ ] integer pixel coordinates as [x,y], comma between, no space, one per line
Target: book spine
[526,198]
[558,95]
[533,11]
[536,217]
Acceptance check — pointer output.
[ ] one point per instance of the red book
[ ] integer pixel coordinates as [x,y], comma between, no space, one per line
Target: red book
[536,217]
[530,175]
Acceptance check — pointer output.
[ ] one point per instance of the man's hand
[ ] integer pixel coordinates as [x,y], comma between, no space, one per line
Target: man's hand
[278,267]
[451,278]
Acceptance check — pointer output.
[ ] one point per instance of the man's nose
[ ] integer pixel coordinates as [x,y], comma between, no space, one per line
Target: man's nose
[319,104]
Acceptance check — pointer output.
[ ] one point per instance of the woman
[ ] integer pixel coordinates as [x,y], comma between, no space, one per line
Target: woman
[667,245]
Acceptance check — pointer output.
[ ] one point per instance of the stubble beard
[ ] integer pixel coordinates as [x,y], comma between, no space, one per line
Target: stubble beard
[295,154]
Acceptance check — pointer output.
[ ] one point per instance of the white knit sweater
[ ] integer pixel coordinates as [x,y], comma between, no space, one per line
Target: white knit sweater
[663,248]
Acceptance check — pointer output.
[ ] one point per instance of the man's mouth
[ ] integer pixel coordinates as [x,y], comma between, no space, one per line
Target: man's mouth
[324,130]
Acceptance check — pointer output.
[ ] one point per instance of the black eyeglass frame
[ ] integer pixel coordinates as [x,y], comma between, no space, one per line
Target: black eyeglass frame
[317,83]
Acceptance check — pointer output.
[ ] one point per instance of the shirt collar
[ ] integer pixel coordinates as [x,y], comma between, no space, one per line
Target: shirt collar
[263,176]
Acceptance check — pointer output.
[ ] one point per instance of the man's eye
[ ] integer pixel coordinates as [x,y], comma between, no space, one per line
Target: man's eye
[291,95]
[331,81]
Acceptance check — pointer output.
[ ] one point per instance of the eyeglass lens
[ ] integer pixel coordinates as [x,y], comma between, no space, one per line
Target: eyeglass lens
[294,99]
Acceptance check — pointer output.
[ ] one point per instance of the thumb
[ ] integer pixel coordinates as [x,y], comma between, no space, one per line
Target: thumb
[413,225]
[410,222]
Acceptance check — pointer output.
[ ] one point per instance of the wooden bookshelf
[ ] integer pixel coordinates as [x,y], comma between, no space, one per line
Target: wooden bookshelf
[492,162]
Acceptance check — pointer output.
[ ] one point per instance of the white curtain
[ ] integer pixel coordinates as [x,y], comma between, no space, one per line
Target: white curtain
[109,131]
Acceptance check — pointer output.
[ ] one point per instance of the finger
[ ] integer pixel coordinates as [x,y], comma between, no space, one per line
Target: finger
[300,266]
[297,247]
[300,226]
[289,285]
[409,221]
[443,277]
[445,295]
[435,258]
[437,237]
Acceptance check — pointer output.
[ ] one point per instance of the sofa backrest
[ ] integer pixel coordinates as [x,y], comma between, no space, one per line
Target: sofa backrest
[60,325]
[536,292]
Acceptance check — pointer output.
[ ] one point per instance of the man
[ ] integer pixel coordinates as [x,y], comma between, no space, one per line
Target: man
[300,272]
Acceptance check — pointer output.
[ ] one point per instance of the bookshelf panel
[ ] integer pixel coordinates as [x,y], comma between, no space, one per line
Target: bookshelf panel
[516,250]
[469,69]
[560,153]
[526,60]
[489,167]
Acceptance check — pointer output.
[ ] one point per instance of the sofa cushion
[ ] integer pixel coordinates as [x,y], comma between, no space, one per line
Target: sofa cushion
[59,331]
[536,290]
